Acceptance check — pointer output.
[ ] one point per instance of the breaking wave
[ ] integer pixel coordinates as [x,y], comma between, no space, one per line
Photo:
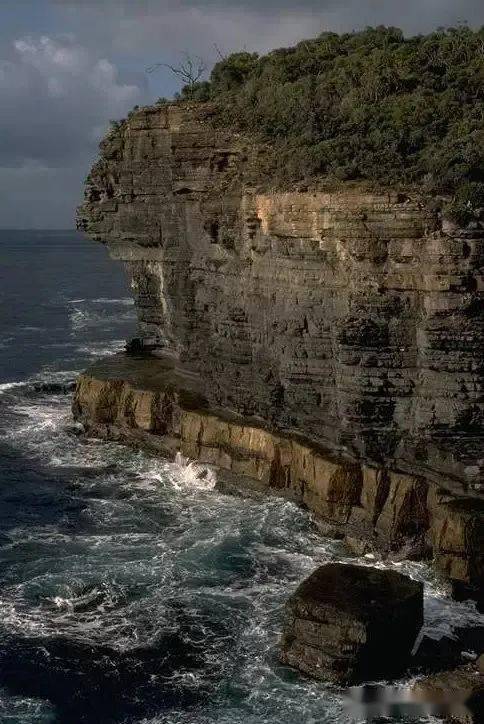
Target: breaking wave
[194,475]
[124,301]
[101,349]
[83,318]
[100,313]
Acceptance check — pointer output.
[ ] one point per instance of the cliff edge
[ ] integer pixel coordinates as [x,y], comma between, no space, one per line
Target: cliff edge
[346,316]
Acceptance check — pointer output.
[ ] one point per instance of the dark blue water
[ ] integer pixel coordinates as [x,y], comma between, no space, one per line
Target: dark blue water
[130,590]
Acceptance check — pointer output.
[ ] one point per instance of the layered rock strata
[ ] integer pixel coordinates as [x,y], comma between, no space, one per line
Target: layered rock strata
[352,317]
[155,402]
[349,623]
[335,336]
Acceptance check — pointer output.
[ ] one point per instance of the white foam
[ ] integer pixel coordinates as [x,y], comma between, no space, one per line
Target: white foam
[125,301]
[25,709]
[6,342]
[6,386]
[100,349]
[39,420]
[80,319]
[85,318]
[193,475]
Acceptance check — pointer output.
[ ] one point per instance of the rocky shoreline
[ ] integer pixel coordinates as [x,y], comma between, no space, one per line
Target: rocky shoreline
[153,402]
[354,630]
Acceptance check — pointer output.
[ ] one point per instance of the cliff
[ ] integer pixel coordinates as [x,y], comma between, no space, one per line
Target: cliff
[348,317]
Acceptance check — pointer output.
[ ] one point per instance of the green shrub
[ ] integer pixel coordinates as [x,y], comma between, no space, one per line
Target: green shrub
[467,204]
[369,105]
[199,91]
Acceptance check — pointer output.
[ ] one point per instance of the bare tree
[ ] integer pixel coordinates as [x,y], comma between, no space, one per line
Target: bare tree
[190,70]
[220,54]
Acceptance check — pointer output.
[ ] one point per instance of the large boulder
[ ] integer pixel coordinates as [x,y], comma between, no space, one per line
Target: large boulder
[348,623]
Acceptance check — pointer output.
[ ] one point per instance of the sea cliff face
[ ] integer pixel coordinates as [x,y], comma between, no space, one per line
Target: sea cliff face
[350,318]
[153,403]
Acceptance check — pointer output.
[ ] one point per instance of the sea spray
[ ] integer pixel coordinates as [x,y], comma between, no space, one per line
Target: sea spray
[193,474]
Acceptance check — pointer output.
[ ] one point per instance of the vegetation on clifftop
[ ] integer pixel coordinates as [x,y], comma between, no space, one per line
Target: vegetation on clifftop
[369,105]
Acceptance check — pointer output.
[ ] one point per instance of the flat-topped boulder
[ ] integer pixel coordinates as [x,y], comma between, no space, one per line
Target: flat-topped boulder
[348,623]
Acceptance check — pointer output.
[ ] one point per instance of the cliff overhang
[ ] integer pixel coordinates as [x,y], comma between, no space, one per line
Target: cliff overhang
[343,320]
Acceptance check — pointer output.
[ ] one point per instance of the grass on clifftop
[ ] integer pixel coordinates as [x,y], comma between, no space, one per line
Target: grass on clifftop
[370,105]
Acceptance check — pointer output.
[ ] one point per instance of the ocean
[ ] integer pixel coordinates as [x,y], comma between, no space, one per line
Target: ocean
[132,591]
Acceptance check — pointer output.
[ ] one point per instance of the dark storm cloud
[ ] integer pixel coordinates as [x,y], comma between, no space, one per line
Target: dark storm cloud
[57,98]
[150,30]
[414,15]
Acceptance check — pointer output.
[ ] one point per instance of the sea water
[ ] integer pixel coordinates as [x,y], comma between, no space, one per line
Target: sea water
[130,589]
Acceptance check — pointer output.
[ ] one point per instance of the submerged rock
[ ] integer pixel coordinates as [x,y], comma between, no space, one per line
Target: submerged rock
[348,623]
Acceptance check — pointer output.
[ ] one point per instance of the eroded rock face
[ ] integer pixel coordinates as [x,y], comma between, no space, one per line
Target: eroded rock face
[334,339]
[350,623]
[155,402]
[352,317]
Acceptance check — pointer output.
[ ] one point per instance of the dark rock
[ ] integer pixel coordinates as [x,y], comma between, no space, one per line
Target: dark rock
[475,592]
[134,346]
[54,388]
[348,623]
[448,652]
[458,694]
[139,346]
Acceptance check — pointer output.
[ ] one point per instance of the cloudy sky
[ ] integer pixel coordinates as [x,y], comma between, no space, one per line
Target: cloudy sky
[69,66]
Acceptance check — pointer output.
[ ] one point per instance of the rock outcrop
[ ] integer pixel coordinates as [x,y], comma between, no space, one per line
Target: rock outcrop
[156,403]
[328,343]
[350,316]
[457,694]
[350,623]
[448,652]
